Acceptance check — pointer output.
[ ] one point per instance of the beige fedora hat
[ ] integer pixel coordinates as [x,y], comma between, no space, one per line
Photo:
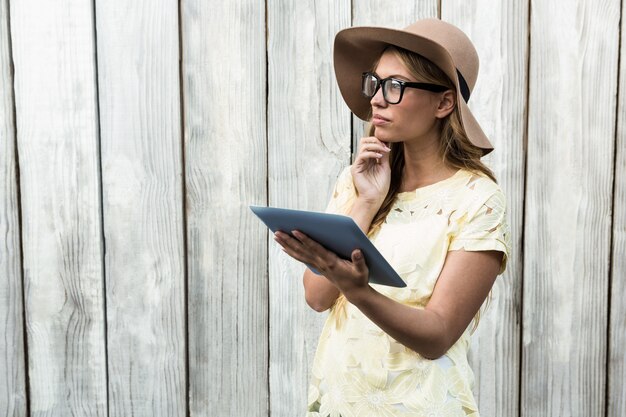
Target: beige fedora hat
[357,48]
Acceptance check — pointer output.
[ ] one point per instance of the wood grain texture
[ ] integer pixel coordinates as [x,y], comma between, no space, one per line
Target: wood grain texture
[55,104]
[378,13]
[573,69]
[276,131]
[308,145]
[12,362]
[616,365]
[499,32]
[224,76]
[138,75]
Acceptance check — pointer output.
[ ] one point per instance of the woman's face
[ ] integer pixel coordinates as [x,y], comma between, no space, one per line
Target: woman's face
[415,117]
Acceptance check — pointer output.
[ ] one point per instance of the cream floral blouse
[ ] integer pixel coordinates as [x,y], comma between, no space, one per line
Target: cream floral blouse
[360,371]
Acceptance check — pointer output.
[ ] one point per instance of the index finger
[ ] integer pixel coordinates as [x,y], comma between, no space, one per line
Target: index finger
[373,139]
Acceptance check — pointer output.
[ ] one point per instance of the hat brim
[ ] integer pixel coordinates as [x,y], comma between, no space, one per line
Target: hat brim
[357,48]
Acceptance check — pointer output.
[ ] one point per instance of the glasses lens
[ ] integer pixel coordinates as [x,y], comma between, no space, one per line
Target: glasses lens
[392,90]
[370,84]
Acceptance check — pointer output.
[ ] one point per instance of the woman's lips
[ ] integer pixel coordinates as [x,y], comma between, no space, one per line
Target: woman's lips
[378,120]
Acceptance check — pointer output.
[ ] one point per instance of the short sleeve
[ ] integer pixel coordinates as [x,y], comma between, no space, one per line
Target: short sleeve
[343,194]
[485,229]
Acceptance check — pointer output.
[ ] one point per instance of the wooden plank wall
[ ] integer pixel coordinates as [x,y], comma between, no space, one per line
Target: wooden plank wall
[142,206]
[12,365]
[224,96]
[134,280]
[56,121]
[569,194]
[616,360]
[308,144]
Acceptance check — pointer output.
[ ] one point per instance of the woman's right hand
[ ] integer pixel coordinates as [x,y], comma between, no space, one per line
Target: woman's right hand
[371,171]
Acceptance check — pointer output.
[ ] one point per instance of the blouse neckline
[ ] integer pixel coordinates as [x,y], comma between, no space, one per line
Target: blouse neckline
[427,189]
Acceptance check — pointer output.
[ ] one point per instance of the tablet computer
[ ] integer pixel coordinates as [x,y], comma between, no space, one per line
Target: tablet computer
[337,233]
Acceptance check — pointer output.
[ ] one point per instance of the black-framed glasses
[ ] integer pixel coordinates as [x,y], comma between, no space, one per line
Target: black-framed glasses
[393,88]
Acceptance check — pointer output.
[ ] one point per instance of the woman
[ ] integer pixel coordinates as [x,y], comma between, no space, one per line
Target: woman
[418,189]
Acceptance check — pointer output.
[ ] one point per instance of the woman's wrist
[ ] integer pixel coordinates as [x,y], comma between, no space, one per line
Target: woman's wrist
[369,203]
[359,295]
[363,212]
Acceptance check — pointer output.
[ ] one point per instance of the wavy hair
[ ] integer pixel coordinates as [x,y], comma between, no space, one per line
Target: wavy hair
[455,149]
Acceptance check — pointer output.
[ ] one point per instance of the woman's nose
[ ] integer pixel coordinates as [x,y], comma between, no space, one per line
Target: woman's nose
[378,99]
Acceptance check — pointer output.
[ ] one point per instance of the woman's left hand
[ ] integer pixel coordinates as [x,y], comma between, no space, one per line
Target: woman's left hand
[347,276]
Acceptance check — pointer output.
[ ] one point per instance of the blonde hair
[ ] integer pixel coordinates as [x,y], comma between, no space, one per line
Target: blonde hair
[455,149]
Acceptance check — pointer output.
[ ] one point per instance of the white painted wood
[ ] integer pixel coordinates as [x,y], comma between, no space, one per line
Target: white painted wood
[573,75]
[251,335]
[308,145]
[498,102]
[12,362]
[616,406]
[616,366]
[56,119]
[380,13]
[142,182]
[224,81]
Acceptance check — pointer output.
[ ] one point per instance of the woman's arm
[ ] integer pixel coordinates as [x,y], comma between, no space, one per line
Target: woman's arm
[319,292]
[461,289]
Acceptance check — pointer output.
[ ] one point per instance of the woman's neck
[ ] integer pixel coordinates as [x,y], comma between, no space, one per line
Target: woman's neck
[423,165]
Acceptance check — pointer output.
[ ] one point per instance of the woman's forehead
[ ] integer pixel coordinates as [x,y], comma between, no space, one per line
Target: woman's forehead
[390,65]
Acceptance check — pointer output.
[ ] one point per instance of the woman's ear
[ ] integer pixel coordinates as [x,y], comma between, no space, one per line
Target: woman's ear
[447,101]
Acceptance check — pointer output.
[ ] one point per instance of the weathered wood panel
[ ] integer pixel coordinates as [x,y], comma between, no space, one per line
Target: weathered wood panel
[499,104]
[573,70]
[616,366]
[56,118]
[251,335]
[12,362]
[142,184]
[308,145]
[224,79]
[378,13]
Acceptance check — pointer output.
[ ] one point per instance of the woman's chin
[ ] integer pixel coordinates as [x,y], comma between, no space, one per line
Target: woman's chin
[381,134]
